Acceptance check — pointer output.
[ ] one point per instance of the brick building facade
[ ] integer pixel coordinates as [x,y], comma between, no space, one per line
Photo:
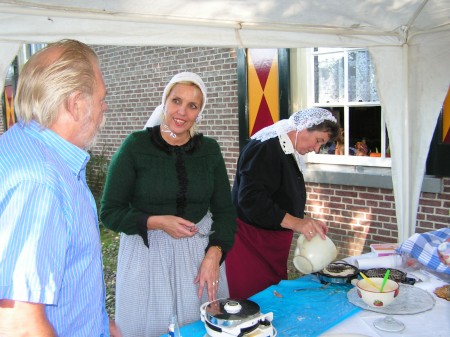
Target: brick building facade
[135,78]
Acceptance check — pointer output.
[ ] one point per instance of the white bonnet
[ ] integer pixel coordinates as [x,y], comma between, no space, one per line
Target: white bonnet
[186,77]
[298,121]
[155,118]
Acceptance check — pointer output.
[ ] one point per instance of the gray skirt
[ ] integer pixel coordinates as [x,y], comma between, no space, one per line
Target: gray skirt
[154,283]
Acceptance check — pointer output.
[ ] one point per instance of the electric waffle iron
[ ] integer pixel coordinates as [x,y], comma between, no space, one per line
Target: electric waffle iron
[236,317]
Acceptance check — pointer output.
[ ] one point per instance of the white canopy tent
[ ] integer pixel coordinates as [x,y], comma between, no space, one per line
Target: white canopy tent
[409,41]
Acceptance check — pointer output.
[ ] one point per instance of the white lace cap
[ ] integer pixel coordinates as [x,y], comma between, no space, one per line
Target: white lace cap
[298,121]
[156,116]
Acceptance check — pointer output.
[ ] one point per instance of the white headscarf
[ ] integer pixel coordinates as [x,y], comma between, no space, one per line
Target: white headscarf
[300,120]
[157,115]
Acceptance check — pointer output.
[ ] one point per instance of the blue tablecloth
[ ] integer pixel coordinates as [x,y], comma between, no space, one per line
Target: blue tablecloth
[304,313]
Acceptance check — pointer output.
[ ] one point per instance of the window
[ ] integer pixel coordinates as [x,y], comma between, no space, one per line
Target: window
[343,81]
[7,97]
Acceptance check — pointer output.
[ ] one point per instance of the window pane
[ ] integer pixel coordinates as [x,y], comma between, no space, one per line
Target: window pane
[337,147]
[365,130]
[329,78]
[361,78]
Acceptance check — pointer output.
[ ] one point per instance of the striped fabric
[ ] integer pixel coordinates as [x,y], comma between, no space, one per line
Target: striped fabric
[154,283]
[50,249]
[424,248]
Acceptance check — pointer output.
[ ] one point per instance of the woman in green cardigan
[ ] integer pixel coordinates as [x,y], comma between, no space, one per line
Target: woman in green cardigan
[167,192]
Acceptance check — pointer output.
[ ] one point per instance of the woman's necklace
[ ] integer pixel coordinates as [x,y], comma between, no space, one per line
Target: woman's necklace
[165,128]
[173,139]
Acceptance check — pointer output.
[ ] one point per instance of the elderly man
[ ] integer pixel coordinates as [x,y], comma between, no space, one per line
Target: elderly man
[51,278]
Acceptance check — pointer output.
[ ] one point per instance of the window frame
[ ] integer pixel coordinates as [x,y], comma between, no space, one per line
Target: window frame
[345,159]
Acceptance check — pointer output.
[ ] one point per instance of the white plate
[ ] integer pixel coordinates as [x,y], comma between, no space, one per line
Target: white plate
[410,300]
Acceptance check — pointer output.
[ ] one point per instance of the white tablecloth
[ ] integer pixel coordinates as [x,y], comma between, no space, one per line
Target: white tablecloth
[432,323]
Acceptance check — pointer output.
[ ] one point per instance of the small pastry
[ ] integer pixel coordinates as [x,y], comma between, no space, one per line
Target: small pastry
[443,292]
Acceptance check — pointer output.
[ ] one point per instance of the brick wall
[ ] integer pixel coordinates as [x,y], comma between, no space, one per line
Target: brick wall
[434,209]
[135,78]
[359,216]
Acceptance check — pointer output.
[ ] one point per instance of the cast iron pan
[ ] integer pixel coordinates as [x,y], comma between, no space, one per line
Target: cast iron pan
[338,273]
[395,275]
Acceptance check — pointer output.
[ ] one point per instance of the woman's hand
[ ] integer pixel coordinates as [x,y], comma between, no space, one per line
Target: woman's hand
[209,273]
[309,227]
[173,225]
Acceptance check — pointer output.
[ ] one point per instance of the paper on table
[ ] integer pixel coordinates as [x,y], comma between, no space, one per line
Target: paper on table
[391,261]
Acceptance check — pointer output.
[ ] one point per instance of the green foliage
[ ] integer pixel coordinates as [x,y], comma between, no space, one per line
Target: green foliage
[96,171]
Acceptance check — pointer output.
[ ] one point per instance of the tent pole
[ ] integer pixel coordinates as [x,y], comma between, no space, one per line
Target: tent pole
[404,227]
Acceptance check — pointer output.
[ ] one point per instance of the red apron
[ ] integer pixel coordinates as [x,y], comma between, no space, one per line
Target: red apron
[258,259]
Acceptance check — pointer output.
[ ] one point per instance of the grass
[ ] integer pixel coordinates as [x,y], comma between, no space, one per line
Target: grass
[96,171]
[110,248]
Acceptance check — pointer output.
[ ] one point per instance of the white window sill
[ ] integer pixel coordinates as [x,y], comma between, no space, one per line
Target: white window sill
[377,177]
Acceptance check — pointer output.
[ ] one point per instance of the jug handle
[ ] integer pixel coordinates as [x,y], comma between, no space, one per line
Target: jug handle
[301,239]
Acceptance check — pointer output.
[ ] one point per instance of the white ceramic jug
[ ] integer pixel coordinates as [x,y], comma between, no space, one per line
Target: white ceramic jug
[313,255]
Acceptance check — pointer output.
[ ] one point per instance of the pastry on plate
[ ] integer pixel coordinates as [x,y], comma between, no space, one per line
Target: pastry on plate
[443,292]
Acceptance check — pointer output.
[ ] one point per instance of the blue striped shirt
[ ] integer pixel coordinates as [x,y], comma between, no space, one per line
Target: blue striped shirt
[50,250]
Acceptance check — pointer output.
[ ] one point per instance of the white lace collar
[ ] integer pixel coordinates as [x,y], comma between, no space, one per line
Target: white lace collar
[288,148]
[286,143]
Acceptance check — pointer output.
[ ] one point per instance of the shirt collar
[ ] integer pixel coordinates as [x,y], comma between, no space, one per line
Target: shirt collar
[288,148]
[75,157]
[286,143]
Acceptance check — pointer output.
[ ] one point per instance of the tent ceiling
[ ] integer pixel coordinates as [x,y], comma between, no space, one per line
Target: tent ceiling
[223,22]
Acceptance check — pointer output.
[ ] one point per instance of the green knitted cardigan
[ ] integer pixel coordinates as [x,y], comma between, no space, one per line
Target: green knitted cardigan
[147,176]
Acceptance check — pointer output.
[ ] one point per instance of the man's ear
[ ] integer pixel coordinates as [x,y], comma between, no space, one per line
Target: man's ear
[74,105]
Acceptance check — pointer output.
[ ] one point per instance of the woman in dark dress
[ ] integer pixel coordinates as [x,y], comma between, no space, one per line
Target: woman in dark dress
[269,195]
[168,194]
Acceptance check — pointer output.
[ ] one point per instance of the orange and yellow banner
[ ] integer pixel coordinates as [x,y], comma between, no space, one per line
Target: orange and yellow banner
[9,102]
[446,120]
